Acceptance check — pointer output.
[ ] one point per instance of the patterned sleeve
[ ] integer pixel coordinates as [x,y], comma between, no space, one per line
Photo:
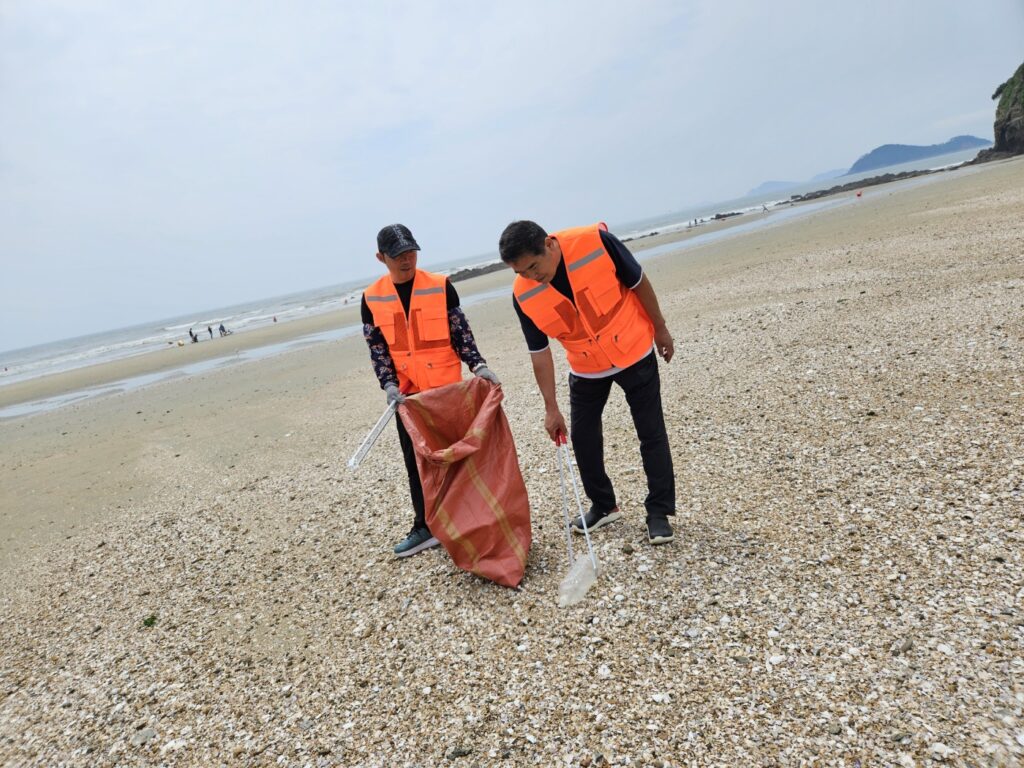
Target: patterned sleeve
[462,339]
[380,356]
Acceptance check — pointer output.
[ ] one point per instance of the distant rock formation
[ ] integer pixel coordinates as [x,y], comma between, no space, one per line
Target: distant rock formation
[1009,124]
[894,154]
[852,186]
[468,272]
[826,175]
[769,187]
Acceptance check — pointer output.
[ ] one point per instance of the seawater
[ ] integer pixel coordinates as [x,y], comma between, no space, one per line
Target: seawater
[68,354]
[680,219]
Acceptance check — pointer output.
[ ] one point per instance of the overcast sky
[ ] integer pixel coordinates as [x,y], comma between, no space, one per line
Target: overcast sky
[160,158]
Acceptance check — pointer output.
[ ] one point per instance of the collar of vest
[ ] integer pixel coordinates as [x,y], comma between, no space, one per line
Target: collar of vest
[423,284]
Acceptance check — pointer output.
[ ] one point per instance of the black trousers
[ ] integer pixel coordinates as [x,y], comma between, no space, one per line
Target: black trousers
[641,384]
[415,487]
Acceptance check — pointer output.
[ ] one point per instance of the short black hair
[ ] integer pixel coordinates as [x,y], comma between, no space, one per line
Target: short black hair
[521,238]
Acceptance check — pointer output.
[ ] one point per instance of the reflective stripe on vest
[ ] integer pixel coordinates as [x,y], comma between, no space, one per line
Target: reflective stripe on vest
[586,259]
[608,326]
[420,345]
[532,292]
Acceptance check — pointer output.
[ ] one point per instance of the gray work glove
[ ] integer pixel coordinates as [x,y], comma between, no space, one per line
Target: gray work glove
[394,396]
[486,374]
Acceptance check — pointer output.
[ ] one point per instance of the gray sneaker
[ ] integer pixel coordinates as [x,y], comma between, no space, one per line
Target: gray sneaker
[418,540]
[596,519]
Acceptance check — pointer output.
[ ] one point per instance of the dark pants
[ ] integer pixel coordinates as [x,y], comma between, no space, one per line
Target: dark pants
[415,487]
[641,384]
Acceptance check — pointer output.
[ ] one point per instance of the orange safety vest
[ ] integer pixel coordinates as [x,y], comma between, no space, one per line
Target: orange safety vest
[420,345]
[608,327]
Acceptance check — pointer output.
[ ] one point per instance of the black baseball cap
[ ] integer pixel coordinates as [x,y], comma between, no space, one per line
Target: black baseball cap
[396,239]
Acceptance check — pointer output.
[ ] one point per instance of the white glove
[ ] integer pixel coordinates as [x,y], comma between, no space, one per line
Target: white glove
[394,396]
[486,374]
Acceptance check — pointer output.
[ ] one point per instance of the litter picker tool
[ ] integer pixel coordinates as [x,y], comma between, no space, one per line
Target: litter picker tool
[582,570]
[371,438]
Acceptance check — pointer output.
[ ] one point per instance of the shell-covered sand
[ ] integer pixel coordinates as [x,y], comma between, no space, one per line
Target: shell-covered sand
[846,410]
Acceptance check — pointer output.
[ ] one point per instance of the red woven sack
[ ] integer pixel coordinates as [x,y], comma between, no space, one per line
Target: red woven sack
[473,491]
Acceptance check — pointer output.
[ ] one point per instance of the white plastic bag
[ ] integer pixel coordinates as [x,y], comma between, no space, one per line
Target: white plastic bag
[583,571]
[577,581]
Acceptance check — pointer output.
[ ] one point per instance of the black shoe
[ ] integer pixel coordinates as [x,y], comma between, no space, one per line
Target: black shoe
[659,531]
[596,519]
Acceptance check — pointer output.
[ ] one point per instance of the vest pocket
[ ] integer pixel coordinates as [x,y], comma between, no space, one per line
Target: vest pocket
[604,299]
[439,374]
[387,327]
[630,340]
[433,324]
[551,322]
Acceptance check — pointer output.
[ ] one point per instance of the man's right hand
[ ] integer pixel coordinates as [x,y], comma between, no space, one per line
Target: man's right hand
[554,423]
[394,396]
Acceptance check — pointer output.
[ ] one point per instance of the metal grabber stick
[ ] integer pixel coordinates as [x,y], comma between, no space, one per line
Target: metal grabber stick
[371,438]
[565,497]
[564,444]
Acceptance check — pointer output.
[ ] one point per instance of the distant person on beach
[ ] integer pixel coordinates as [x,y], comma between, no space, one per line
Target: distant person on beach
[223,330]
[192,336]
[393,309]
[209,330]
[583,287]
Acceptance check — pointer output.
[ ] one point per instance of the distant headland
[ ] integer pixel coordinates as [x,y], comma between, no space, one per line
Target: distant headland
[881,157]
[896,154]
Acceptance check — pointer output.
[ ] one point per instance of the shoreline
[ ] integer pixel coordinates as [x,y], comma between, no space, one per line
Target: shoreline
[873,181]
[173,358]
[41,390]
[55,390]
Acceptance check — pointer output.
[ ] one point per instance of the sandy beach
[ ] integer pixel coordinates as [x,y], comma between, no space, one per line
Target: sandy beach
[192,576]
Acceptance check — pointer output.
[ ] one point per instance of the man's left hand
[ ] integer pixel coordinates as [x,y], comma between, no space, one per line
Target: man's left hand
[664,344]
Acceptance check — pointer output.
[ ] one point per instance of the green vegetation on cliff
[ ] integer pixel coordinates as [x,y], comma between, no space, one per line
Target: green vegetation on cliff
[1009,124]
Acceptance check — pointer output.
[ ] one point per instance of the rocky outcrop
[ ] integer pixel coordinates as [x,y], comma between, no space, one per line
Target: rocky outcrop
[468,272]
[885,178]
[1009,124]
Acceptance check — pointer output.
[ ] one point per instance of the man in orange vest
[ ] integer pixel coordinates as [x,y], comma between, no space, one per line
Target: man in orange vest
[418,338]
[584,288]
